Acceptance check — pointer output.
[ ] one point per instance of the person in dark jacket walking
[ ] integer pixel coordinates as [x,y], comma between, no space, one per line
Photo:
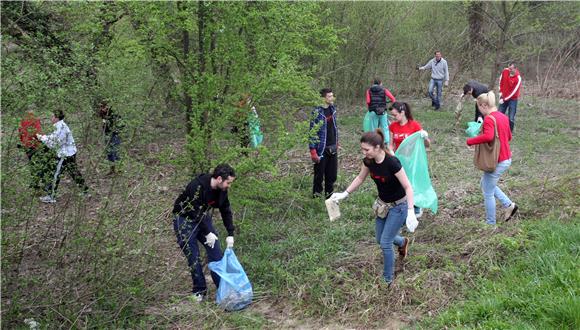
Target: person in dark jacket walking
[111,128]
[193,222]
[377,98]
[324,144]
[475,88]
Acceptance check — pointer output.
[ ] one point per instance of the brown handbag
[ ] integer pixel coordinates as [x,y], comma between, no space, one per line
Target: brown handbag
[486,154]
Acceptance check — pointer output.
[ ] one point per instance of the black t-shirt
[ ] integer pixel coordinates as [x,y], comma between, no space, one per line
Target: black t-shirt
[383,174]
[330,133]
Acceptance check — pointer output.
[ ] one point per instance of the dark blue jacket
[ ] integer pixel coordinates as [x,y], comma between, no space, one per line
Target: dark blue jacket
[318,142]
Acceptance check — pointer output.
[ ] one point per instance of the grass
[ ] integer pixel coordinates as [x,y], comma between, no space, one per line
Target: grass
[535,289]
[308,272]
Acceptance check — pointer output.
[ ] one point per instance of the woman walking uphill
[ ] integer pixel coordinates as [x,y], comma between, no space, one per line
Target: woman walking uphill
[493,118]
[394,204]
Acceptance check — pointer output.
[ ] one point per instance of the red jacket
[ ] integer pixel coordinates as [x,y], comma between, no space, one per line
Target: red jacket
[488,132]
[29,127]
[510,87]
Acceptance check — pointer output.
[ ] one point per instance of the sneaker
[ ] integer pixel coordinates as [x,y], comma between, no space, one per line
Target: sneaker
[48,199]
[510,211]
[419,214]
[403,249]
[198,297]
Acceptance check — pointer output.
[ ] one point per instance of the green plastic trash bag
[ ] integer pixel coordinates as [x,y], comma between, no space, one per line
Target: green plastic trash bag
[256,135]
[372,121]
[412,155]
[473,128]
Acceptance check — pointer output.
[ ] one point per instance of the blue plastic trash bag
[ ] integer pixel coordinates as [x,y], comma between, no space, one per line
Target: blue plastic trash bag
[235,290]
[256,135]
[473,128]
[412,155]
[372,121]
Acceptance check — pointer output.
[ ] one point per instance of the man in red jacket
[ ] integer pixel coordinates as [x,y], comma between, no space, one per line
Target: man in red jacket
[510,84]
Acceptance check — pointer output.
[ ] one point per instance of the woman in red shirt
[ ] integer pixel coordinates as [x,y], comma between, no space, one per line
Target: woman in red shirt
[403,125]
[486,104]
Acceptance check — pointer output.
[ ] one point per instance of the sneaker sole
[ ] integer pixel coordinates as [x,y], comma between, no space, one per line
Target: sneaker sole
[512,214]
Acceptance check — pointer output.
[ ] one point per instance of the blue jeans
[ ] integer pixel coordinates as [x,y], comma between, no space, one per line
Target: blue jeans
[436,100]
[188,234]
[113,147]
[492,191]
[387,233]
[512,105]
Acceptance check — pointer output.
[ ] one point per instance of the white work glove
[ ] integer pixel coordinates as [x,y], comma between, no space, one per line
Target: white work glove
[339,196]
[40,137]
[424,134]
[447,83]
[210,239]
[500,101]
[411,221]
[479,120]
[229,242]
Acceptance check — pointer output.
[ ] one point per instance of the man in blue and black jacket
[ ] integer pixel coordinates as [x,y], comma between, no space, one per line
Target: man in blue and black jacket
[324,144]
[192,222]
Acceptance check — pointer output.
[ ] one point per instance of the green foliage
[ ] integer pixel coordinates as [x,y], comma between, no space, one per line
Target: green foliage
[111,261]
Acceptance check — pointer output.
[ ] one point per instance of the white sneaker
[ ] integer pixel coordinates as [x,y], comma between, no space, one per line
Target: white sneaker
[510,211]
[47,199]
[198,297]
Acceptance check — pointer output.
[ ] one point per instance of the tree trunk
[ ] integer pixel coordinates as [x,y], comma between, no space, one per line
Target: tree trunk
[475,14]
[187,101]
[500,47]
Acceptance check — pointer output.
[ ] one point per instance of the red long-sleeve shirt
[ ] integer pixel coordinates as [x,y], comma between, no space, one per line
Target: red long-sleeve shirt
[487,134]
[387,94]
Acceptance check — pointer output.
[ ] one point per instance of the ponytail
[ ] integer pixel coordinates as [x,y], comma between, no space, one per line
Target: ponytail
[487,98]
[403,107]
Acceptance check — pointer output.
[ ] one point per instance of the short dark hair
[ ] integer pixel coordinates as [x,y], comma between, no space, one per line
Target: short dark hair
[58,114]
[377,81]
[224,171]
[325,91]
[437,51]
[510,63]
[466,89]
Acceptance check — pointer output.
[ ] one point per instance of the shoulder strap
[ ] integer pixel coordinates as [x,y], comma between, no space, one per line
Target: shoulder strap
[494,126]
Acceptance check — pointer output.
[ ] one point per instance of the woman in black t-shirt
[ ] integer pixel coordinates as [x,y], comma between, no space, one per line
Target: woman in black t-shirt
[395,202]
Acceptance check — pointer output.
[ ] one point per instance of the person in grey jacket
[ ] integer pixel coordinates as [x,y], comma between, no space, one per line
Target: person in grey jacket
[439,76]
[475,88]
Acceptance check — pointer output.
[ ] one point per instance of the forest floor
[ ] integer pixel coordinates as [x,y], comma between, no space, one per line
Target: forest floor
[307,273]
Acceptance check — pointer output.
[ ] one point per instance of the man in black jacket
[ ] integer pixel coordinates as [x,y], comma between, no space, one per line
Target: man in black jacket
[475,88]
[193,223]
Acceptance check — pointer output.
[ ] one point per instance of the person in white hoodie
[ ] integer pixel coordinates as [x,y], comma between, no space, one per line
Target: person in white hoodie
[62,140]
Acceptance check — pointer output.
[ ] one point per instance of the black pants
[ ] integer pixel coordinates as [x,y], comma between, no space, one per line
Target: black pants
[478,113]
[325,171]
[68,164]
